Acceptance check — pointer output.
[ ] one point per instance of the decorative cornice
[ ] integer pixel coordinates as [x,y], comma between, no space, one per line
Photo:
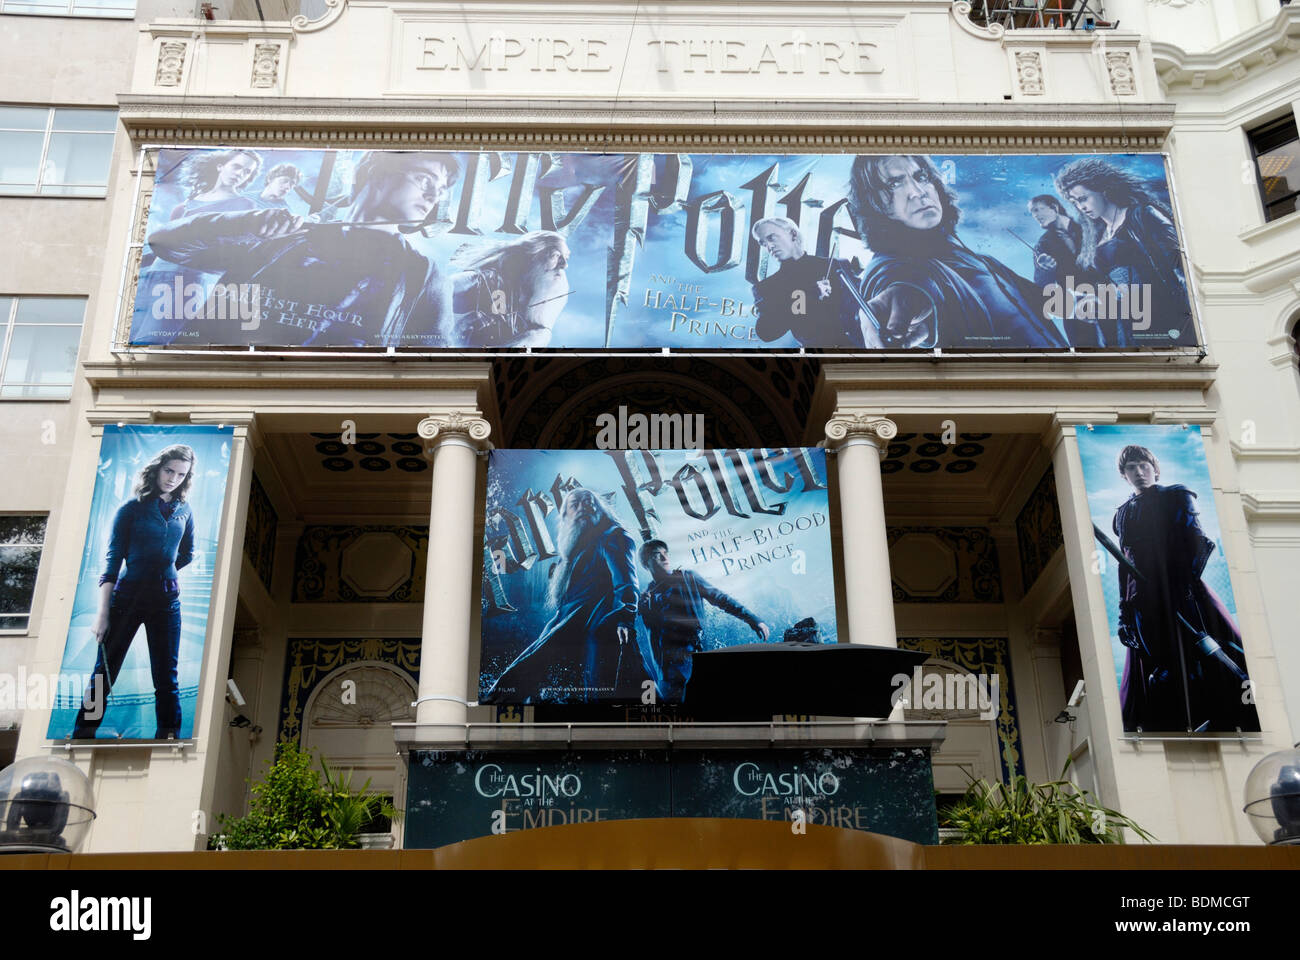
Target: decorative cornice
[103,417]
[333,10]
[960,12]
[454,426]
[577,123]
[846,428]
[1269,276]
[1260,47]
[243,421]
[1067,423]
[1084,418]
[1201,417]
[1263,451]
[1044,373]
[283,372]
[1271,505]
[219,30]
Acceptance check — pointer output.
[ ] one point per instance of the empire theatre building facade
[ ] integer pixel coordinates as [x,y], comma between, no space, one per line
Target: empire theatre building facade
[478,374]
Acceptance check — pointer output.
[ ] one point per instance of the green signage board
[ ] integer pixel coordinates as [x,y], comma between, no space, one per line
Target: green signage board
[458,795]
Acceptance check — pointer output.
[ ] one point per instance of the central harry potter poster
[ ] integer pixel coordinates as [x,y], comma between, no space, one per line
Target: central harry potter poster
[606,570]
[486,250]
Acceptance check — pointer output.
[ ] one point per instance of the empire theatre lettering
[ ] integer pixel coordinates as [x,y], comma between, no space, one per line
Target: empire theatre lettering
[544,54]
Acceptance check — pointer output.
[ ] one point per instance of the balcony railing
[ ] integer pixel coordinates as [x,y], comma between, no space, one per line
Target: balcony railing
[1041,14]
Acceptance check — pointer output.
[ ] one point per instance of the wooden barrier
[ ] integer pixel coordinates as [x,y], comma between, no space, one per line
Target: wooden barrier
[692,844]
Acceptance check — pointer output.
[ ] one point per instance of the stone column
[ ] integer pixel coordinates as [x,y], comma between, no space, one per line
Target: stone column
[857,440]
[454,440]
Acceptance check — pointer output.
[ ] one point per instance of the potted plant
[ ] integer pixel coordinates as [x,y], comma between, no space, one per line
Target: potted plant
[293,808]
[1034,813]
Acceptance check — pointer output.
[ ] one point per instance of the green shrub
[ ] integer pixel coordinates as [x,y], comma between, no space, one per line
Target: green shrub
[293,808]
[1024,812]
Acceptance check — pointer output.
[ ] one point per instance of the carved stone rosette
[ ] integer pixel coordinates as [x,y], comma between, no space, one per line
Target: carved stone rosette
[1119,66]
[171,62]
[266,62]
[1029,73]
[454,426]
[864,426]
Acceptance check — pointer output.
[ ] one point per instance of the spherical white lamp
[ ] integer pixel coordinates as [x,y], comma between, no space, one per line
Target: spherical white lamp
[45,806]
[1273,797]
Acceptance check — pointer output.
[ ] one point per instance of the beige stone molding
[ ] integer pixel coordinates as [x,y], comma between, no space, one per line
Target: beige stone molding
[1067,423]
[1200,417]
[103,417]
[454,427]
[1271,505]
[1263,451]
[846,428]
[333,10]
[825,126]
[961,15]
[243,421]
[1259,48]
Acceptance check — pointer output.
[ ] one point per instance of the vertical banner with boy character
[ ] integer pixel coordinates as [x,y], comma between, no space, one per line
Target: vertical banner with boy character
[606,570]
[1178,651]
[134,652]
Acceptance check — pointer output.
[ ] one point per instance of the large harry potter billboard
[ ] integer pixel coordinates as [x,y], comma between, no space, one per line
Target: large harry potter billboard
[605,571]
[476,251]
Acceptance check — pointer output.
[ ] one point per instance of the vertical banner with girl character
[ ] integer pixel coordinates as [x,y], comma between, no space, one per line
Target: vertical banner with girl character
[132,661]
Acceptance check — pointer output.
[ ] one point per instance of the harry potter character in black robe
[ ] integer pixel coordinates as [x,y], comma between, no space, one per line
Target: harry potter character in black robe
[806,295]
[1056,254]
[923,287]
[1185,667]
[593,588]
[672,609]
[359,283]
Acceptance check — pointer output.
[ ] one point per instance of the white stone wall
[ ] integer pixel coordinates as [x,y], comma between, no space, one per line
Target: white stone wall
[905,71]
[1247,275]
[51,246]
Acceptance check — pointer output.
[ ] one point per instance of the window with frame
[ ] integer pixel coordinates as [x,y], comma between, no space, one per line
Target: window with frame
[21,540]
[55,151]
[1276,149]
[41,339]
[118,9]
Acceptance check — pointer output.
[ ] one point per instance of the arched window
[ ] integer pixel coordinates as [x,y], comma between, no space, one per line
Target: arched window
[348,721]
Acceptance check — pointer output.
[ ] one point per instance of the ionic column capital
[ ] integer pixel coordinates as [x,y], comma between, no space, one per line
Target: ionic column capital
[844,429]
[455,427]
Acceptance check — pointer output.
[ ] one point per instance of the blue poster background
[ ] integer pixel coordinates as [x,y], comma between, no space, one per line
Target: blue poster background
[777,565]
[1180,451]
[124,452]
[659,247]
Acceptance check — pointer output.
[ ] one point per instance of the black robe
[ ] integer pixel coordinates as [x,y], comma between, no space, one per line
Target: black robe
[1163,615]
